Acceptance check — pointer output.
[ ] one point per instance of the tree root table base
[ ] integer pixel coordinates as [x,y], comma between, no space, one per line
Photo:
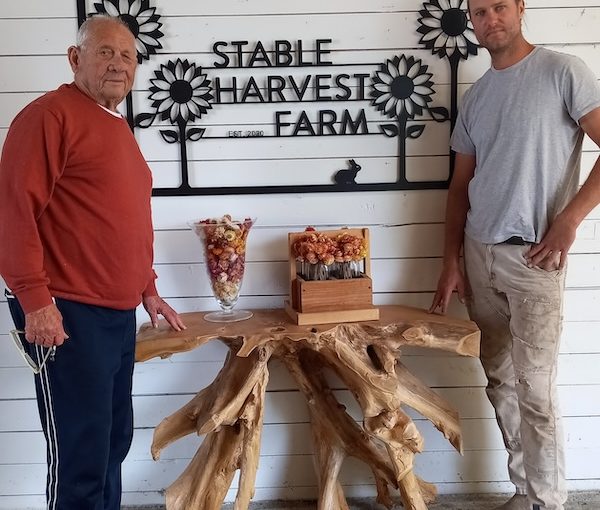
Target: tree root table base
[366,356]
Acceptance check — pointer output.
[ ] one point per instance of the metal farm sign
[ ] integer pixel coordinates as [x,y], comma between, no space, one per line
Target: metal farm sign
[282,73]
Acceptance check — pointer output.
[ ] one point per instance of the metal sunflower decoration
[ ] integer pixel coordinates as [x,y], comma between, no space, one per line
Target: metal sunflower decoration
[402,89]
[141,19]
[447,31]
[180,93]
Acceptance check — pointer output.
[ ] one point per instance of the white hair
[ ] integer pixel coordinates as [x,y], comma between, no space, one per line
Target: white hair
[87,26]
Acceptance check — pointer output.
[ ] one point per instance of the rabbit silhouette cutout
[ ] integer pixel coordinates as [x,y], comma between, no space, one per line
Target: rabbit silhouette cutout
[347,176]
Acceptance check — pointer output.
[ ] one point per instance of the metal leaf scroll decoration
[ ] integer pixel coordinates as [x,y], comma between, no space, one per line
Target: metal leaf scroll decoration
[401,89]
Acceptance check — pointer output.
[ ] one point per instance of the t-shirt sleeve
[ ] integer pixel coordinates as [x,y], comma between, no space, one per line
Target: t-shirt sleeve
[582,90]
[460,141]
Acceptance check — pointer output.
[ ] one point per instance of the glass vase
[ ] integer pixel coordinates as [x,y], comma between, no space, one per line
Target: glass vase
[224,248]
[348,270]
[313,272]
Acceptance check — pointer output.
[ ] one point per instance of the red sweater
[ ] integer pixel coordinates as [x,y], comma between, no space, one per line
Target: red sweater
[75,216]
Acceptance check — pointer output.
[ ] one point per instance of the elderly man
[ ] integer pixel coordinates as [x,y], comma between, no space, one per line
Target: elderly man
[76,237]
[514,206]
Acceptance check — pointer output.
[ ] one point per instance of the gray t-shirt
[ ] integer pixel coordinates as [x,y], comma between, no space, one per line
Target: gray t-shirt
[522,125]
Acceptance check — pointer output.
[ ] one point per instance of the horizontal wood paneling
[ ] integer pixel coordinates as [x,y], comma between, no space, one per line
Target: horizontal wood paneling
[577,338]
[173,376]
[580,305]
[386,241]
[297,471]
[51,36]
[289,406]
[37,74]
[410,275]
[64,8]
[296,439]
[406,238]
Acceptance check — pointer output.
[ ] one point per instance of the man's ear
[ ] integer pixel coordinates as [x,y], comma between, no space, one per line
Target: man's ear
[74,57]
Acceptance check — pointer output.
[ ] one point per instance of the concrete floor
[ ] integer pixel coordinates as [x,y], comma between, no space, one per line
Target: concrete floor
[577,501]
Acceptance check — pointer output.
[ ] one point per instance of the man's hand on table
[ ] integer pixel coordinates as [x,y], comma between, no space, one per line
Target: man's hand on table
[156,306]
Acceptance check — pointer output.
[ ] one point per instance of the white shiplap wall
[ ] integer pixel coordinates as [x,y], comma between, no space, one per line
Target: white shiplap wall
[407,235]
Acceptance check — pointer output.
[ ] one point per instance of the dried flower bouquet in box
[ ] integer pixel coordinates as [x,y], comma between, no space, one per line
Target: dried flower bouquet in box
[322,257]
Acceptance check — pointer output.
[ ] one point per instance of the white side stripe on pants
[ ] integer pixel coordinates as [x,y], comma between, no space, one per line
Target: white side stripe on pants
[51,437]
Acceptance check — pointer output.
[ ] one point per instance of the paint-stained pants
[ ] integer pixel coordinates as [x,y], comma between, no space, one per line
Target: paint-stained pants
[519,312]
[84,399]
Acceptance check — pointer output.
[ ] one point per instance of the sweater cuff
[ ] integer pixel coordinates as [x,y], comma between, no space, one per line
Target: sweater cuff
[150,290]
[34,299]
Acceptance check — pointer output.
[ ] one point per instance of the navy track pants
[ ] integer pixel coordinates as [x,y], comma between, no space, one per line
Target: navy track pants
[84,400]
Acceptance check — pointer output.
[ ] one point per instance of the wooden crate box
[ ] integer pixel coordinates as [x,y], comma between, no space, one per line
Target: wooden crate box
[334,300]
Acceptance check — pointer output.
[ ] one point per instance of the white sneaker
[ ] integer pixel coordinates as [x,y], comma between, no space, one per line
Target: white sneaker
[517,502]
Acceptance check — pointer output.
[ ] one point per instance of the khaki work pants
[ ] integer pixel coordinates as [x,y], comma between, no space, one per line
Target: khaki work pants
[519,312]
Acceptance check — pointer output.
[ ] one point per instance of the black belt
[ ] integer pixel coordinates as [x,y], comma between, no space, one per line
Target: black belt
[516,240]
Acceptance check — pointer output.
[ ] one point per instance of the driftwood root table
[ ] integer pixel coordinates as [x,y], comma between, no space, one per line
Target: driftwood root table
[365,356]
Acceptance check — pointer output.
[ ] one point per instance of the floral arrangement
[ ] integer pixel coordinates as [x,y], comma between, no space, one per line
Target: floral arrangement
[225,247]
[340,254]
[350,248]
[315,248]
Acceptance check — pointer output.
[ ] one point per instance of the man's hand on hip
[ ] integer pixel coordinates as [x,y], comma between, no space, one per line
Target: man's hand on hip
[558,240]
[156,306]
[45,327]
